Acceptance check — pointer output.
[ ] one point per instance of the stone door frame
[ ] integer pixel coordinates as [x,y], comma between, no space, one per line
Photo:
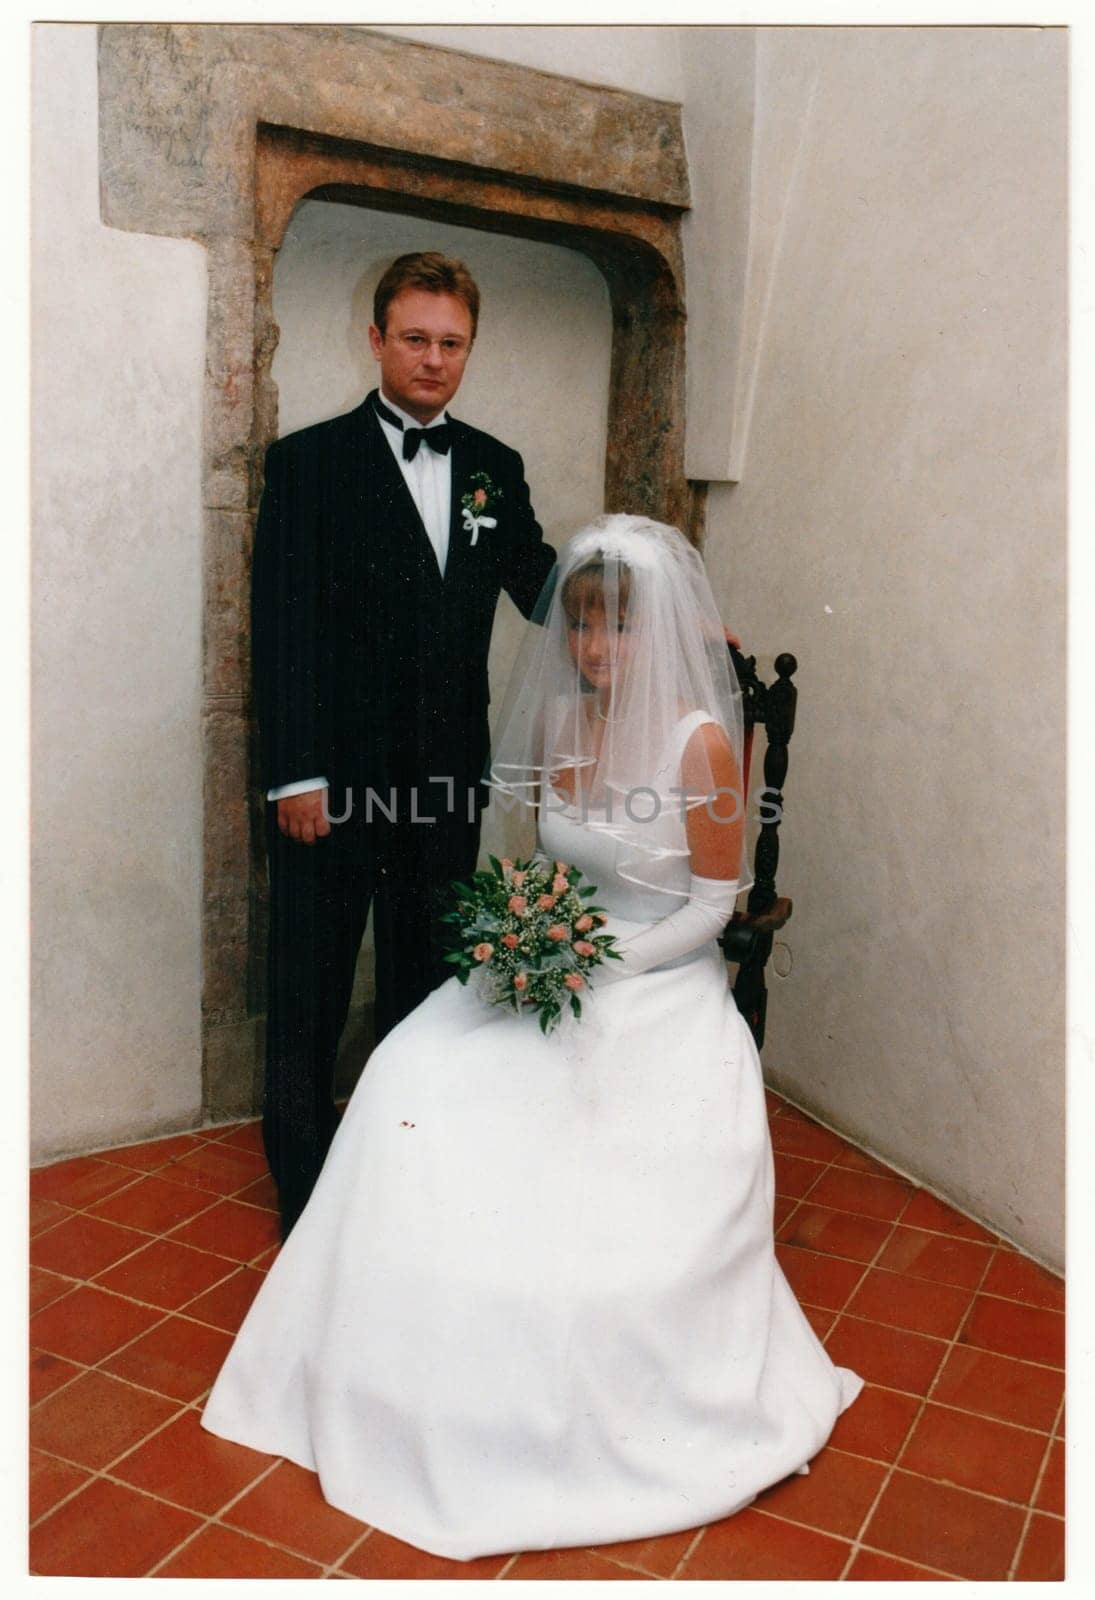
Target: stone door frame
[218,133]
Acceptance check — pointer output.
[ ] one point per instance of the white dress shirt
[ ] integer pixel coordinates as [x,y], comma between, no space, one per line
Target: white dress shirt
[429,479]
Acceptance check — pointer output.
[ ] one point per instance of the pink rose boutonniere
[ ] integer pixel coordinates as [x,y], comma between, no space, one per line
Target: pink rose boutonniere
[479,503]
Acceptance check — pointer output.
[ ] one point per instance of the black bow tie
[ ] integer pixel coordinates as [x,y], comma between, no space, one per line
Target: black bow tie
[437,437]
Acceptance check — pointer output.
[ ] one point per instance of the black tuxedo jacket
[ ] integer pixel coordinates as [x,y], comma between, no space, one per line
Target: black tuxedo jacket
[369,667]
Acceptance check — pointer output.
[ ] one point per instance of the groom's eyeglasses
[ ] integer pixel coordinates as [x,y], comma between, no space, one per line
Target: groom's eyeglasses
[451,347]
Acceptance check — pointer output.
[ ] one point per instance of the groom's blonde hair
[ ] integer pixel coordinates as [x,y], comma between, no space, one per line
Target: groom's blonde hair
[429,270]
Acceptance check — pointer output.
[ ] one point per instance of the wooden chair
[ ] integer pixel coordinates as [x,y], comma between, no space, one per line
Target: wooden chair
[747,937]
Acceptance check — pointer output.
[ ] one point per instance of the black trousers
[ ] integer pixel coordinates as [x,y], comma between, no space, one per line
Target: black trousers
[319,903]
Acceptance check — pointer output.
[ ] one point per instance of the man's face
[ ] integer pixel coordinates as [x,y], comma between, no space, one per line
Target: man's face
[423,351]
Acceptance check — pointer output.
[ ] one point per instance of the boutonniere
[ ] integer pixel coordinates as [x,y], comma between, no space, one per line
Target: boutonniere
[481,499]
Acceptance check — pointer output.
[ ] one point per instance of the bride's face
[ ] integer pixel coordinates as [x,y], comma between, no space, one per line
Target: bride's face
[597,633]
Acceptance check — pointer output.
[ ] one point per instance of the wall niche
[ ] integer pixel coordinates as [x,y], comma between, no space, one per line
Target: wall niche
[217,133]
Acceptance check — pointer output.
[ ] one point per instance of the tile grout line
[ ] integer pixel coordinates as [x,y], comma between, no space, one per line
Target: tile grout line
[232,1264]
[107,1469]
[915,1422]
[105,1152]
[869,1266]
[998,1238]
[137,1177]
[601,1553]
[926,1477]
[689,1552]
[182,1309]
[1035,1490]
[83,1368]
[961,1411]
[355,1544]
[121,1261]
[33,1522]
[164,1316]
[863,1548]
[208,1520]
[877,1550]
[992,1249]
[108,1473]
[290,1550]
[985,1350]
[866,1266]
[216,1197]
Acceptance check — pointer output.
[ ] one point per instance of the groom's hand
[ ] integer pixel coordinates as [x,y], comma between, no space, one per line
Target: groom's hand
[304,817]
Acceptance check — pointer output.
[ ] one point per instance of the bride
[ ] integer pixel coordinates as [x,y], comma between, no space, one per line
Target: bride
[533,1300]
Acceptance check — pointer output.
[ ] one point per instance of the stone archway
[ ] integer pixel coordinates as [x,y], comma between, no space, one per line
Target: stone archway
[217,133]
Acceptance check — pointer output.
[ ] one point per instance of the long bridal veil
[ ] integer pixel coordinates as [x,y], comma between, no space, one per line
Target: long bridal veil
[610,754]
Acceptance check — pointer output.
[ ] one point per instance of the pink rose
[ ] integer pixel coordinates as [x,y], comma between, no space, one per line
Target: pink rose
[584,948]
[559,884]
[483,952]
[574,980]
[519,878]
[601,916]
[507,864]
[517,904]
[510,941]
[479,499]
[557,933]
[545,902]
[521,981]
[584,923]
[561,866]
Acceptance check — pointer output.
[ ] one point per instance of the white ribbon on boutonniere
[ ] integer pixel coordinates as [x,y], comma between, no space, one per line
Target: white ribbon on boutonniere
[481,499]
[472,524]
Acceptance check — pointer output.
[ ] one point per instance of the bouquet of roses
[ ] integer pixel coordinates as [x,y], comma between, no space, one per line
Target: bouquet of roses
[529,930]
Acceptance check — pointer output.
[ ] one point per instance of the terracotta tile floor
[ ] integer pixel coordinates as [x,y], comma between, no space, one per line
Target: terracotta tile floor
[144,1261]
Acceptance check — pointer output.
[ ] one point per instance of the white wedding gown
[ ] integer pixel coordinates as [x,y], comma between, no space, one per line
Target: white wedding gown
[533,1301]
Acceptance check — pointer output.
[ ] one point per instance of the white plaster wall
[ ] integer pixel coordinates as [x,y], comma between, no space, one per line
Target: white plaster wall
[537,378]
[899,526]
[119,324]
[720,237]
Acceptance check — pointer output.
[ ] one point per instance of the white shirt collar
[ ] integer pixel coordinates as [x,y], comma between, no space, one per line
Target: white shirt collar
[406,419]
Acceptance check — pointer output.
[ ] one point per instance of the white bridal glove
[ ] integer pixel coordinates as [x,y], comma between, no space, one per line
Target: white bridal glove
[702,917]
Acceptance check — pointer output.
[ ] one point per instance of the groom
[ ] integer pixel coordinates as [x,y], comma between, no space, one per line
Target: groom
[384,538]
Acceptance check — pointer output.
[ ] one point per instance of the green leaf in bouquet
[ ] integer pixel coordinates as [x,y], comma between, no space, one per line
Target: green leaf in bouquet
[575,1005]
[553,960]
